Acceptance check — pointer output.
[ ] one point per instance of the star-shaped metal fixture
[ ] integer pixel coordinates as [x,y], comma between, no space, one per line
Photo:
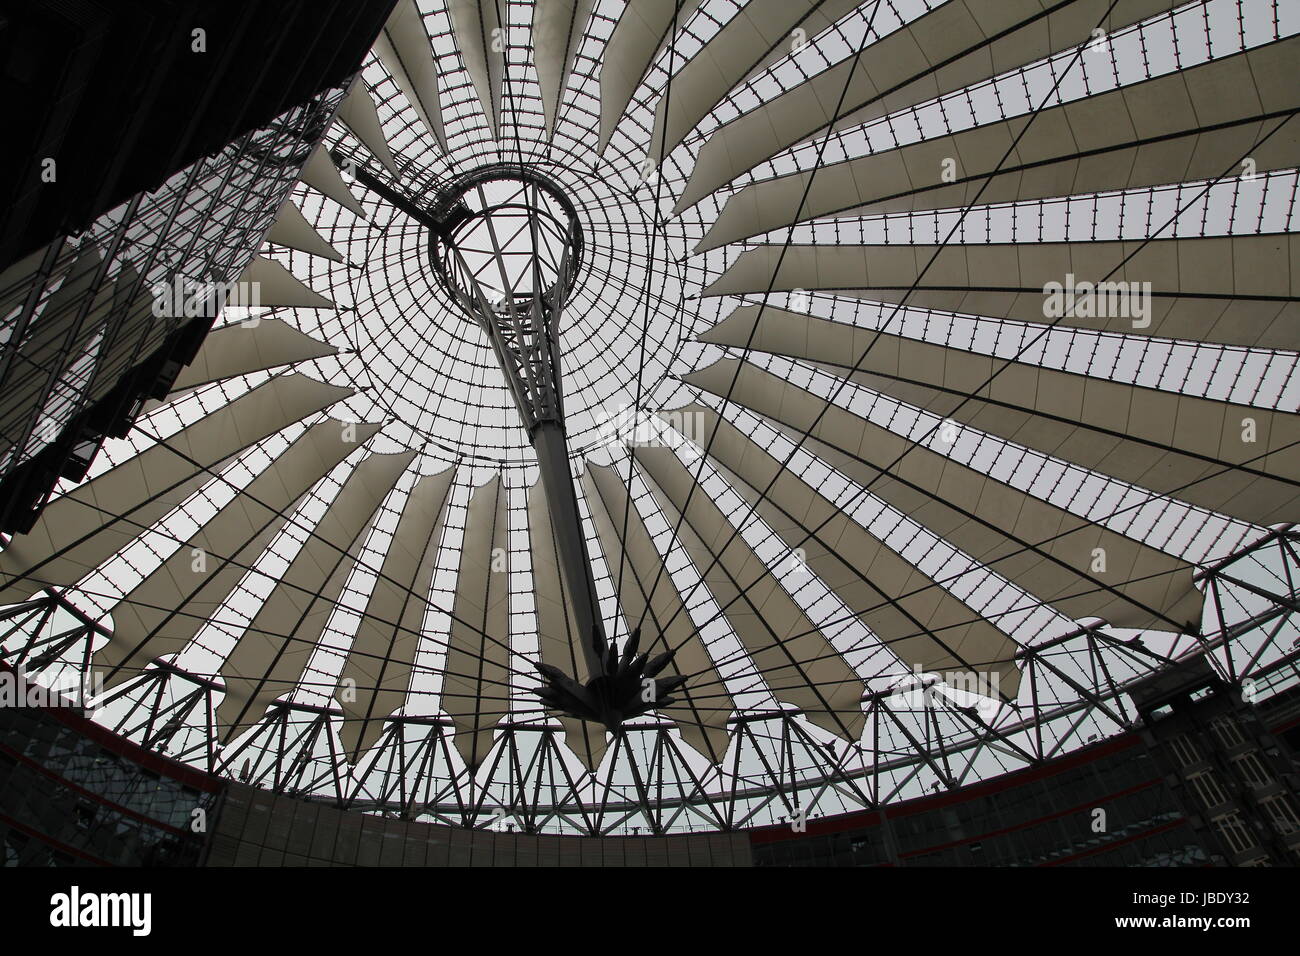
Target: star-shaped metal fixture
[628,685]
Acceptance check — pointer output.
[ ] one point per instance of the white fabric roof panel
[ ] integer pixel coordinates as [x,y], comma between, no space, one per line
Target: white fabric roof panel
[388,635]
[271,655]
[357,112]
[241,348]
[81,530]
[1236,290]
[292,230]
[403,48]
[1165,114]
[952,46]
[1043,549]
[278,287]
[649,592]
[1173,444]
[922,623]
[320,173]
[476,676]
[475,23]
[558,28]
[642,30]
[798,664]
[168,608]
[761,31]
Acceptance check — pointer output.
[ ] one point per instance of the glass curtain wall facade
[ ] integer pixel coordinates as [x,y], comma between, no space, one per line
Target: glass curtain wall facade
[73,794]
[83,344]
[1207,779]
[1237,781]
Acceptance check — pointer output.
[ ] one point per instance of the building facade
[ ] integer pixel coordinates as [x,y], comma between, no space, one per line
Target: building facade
[180,190]
[71,793]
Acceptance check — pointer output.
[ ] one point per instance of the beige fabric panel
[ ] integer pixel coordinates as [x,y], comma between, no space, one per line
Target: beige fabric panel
[820,19]
[1154,439]
[640,33]
[1042,164]
[81,530]
[358,113]
[931,630]
[1190,157]
[66,366]
[473,23]
[388,635]
[942,51]
[320,173]
[239,349]
[55,317]
[134,337]
[52,307]
[403,48]
[16,282]
[40,359]
[990,521]
[476,678]
[701,716]
[760,30]
[799,665]
[278,287]
[168,608]
[271,655]
[556,640]
[558,28]
[292,230]
[1194,281]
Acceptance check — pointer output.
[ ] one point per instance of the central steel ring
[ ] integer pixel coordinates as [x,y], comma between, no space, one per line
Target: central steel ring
[505,231]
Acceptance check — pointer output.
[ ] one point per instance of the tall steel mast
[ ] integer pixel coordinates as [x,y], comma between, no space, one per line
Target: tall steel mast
[508,247]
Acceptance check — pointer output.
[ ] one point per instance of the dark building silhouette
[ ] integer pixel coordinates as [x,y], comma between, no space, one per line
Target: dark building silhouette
[72,792]
[1236,781]
[122,94]
[1195,736]
[150,144]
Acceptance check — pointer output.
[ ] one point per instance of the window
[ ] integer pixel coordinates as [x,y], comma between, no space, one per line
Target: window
[1234,832]
[1252,770]
[1185,750]
[1208,789]
[1281,813]
[1227,730]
